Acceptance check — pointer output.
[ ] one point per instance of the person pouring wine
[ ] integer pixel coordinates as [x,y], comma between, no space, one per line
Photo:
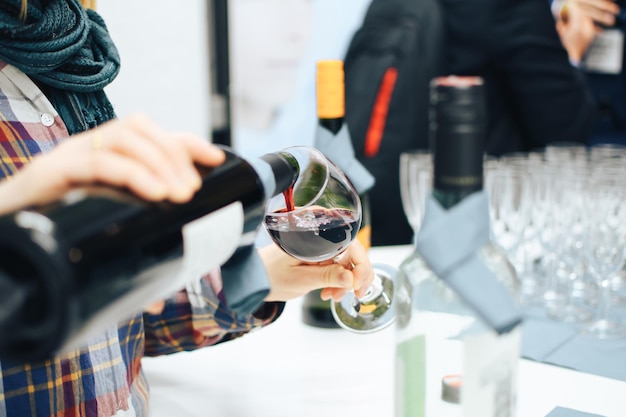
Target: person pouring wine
[57,117]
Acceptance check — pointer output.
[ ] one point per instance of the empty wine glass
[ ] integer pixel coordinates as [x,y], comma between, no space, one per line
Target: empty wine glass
[415,184]
[316,220]
[605,245]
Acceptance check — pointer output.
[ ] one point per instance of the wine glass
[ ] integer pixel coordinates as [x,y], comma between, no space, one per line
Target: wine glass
[606,239]
[415,184]
[316,220]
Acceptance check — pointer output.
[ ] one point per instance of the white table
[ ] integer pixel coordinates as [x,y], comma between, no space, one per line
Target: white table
[291,370]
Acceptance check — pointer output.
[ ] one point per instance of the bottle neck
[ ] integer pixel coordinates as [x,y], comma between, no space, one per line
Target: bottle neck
[330,94]
[457,129]
[333,124]
[285,170]
[449,199]
[458,169]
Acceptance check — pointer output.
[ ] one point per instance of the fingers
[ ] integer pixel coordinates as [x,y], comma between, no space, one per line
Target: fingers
[357,261]
[600,11]
[353,271]
[155,308]
[600,6]
[143,143]
[168,156]
[137,154]
[290,278]
[334,279]
[333,293]
[121,171]
[200,150]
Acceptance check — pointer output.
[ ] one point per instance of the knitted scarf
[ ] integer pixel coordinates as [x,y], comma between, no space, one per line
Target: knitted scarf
[67,51]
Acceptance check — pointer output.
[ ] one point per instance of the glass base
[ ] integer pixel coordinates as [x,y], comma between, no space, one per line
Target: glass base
[375,310]
[570,313]
[605,329]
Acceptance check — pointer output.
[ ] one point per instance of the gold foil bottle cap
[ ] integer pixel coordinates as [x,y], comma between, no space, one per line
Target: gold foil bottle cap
[451,388]
[330,89]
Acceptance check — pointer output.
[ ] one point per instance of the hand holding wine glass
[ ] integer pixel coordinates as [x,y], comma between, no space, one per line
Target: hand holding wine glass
[605,243]
[315,221]
[352,272]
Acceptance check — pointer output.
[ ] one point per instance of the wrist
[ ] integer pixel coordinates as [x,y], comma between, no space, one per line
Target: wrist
[575,52]
[11,196]
[559,9]
[574,57]
[574,62]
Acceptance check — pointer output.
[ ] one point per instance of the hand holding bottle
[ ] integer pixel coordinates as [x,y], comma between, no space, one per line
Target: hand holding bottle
[133,152]
[577,23]
[352,272]
[603,12]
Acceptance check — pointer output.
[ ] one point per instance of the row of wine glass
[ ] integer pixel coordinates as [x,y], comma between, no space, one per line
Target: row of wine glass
[560,215]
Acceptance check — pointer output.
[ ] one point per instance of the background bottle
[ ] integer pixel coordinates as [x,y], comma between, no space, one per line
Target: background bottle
[330,96]
[449,362]
[73,268]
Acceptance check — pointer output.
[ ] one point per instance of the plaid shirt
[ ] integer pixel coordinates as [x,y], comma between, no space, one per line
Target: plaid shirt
[104,378]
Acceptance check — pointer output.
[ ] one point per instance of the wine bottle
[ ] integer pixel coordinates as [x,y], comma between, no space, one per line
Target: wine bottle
[99,255]
[456,354]
[330,96]
[330,115]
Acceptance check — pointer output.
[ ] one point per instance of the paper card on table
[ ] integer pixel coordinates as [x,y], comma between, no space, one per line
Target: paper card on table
[568,412]
[603,357]
[338,148]
[540,337]
[449,244]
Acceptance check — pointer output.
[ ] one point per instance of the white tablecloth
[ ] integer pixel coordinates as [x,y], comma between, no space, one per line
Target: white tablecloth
[292,370]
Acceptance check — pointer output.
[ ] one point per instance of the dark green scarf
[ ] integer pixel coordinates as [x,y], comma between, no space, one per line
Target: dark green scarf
[67,51]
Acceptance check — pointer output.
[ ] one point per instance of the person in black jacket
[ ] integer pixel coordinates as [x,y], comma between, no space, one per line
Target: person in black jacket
[534,94]
[602,61]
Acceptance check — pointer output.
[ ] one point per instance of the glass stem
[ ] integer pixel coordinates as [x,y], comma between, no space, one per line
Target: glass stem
[373,291]
[604,301]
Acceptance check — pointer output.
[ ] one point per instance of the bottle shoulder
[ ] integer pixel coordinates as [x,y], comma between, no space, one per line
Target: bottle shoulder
[415,268]
[426,291]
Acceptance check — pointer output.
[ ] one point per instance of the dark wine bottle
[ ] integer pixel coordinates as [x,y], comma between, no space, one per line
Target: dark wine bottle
[330,96]
[462,315]
[99,255]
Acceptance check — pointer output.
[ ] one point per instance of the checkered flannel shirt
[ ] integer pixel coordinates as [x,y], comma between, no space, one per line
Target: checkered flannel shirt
[104,378]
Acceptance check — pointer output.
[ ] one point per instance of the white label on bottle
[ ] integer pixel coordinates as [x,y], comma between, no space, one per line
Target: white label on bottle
[490,374]
[208,242]
[211,240]
[606,52]
[410,392]
[426,351]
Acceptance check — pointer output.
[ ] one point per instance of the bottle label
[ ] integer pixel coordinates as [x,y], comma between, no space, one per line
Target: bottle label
[439,376]
[410,373]
[605,54]
[210,241]
[490,374]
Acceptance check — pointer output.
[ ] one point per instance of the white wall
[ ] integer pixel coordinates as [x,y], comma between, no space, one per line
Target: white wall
[164,50]
[165,66]
[334,23]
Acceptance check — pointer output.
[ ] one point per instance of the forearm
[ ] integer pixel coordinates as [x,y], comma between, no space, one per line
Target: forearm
[204,320]
[13,196]
[551,97]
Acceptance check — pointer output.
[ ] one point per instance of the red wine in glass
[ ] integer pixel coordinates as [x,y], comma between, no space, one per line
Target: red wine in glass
[315,234]
[288,195]
[316,221]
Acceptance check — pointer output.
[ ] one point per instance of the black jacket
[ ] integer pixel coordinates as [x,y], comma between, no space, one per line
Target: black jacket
[534,95]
